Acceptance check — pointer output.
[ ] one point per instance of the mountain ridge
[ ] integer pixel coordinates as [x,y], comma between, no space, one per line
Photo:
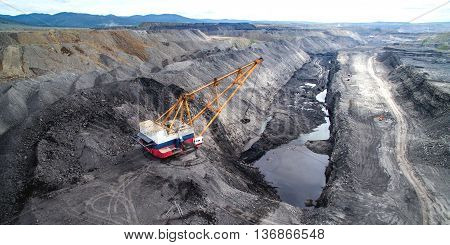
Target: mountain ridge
[83,20]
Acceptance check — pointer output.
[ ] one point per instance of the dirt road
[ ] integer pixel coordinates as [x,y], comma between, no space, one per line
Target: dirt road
[373,178]
[401,142]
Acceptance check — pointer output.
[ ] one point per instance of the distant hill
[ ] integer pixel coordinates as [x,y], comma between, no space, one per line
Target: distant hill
[8,24]
[199,26]
[92,21]
[77,20]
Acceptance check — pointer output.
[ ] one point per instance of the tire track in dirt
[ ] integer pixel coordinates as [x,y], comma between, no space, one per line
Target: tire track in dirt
[401,141]
[117,196]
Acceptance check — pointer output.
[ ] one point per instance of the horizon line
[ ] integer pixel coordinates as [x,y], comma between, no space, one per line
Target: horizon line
[237,20]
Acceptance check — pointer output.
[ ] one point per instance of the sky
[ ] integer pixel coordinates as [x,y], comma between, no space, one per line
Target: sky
[273,10]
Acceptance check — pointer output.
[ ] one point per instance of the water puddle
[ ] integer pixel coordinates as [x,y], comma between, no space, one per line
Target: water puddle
[297,172]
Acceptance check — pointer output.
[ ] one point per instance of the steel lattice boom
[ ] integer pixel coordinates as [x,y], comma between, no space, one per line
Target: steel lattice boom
[173,131]
[181,109]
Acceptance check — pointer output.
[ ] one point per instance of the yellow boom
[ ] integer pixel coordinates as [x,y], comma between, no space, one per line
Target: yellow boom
[181,110]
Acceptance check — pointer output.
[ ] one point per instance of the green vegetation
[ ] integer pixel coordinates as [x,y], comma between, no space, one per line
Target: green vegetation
[440,41]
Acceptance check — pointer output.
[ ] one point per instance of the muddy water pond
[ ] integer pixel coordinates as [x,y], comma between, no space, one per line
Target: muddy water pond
[297,172]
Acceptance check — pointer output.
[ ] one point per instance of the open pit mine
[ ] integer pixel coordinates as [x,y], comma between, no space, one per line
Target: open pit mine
[224,124]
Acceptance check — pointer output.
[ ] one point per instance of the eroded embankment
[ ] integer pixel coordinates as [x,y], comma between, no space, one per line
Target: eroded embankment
[39,67]
[429,97]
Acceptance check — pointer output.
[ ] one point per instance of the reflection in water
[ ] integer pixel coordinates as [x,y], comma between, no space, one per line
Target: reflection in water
[297,172]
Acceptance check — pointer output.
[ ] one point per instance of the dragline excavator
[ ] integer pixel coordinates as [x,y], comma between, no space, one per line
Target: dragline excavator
[173,132]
